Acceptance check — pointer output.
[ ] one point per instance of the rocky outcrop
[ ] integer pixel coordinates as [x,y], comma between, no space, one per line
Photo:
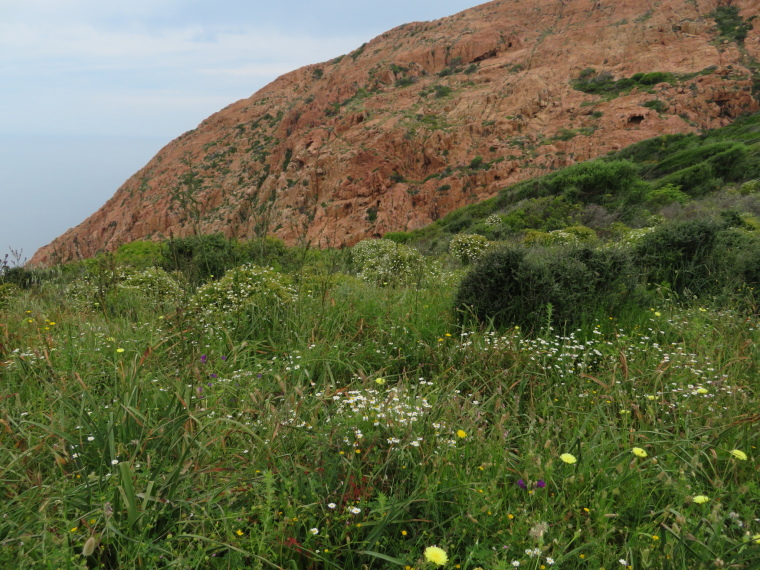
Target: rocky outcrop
[431,116]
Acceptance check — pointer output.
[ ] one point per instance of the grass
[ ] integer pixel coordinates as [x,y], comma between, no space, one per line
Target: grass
[365,424]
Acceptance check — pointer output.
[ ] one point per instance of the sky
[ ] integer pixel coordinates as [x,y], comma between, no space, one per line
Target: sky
[90,90]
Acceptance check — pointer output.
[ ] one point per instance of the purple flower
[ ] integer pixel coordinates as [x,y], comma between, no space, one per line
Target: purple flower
[203,359]
[540,484]
[213,375]
[521,484]
[224,358]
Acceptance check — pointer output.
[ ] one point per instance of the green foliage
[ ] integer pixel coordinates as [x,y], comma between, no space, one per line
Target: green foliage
[665,195]
[609,183]
[242,291]
[656,104]
[558,286]
[589,81]
[140,254]
[731,26]
[7,292]
[468,248]
[683,256]
[385,262]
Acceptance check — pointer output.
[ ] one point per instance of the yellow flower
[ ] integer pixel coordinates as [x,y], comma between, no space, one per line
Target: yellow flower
[699,499]
[638,452]
[74,529]
[239,532]
[657,314]
[380,381]
[655,537]
[461,434]
[568,458]
[119,350]
[404,533]
[436,555]
[739,454]
[702,390]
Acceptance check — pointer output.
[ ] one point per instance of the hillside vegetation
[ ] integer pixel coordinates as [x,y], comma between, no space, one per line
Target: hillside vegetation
[564,376]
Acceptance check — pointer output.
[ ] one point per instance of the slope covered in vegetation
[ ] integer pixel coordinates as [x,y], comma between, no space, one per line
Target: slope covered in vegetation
[572,397]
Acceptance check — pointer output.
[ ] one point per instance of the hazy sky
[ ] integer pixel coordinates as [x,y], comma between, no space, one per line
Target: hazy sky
[91,90]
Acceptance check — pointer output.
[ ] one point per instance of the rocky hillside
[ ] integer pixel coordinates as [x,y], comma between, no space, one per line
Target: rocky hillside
[431,116]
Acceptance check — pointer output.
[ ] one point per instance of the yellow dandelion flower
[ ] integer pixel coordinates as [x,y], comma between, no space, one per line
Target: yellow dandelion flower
[700,499]
[239,532]
[638,452]
[568,458]
[738,454]
[461,434]
[436,555]
[74,529]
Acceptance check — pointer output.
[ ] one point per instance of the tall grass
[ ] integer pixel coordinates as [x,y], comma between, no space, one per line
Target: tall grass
[358,424]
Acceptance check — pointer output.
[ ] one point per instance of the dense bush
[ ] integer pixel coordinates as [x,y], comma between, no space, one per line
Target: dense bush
[682,255]
[259,291]
[532,287]
[468,248]
[386,262]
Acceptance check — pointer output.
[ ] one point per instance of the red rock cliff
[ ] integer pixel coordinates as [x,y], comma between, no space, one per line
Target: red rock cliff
[380,140]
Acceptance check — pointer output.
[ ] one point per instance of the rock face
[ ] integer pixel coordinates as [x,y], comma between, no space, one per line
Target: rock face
[431,116]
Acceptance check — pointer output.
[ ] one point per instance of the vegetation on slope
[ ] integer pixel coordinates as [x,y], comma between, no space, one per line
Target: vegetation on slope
[572,397]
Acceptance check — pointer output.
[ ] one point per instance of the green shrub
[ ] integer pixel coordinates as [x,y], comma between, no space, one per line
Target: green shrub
[666,195]
[248,288]
[468,248]
[385,262]
[8,291]
[680,255]
[200,257]
[140,254]
[562,286]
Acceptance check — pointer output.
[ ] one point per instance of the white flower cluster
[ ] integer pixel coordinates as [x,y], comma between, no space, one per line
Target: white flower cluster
[154,285]
[468,248]
[241,288]
[386,262]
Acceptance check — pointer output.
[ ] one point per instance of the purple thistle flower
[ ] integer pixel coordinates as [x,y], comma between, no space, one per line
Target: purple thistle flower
[214,376]
[540,484]
[521,484]
[203,359]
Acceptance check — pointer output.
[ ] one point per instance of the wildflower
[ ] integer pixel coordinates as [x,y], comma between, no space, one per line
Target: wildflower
[90,438]
[380,381]
[550,561]
[521,484]
[314,531]
[461,434]
[516,563]
[331,505]
[74,529]
[756,538]
[540,484]
[702,390]
[738,454]
[114,461]
[436,555]
[655,537]
[404,533]
[239,532]
[622,561]
[700,499]
[354,510]
[638,452]
[119,350]
[203,358]
[568,458]
[532,552]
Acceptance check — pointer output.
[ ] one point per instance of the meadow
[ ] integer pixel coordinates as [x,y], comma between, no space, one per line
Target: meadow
[563,376]
[324,417]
